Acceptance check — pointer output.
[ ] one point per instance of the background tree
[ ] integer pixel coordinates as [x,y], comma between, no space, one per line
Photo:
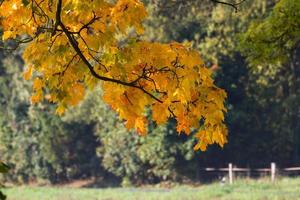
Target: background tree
[272,48]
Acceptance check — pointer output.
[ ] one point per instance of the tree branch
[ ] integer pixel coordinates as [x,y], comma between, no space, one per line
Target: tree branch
[233,5]
[74,44]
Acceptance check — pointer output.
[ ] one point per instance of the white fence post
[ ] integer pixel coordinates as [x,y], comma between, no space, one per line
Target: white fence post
[273,171]
[230,173]
[248,172]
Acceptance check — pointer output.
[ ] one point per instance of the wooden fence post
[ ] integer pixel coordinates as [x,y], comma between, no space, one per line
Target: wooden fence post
[230,173]
[273,171]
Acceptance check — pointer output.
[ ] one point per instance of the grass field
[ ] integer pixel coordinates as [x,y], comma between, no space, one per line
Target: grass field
[283,189]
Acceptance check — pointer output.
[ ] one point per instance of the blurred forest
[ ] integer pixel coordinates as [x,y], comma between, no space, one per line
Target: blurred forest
[255,57]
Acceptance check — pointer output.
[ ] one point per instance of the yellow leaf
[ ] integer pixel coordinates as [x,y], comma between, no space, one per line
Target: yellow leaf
[160,113]
[37,84]
[76,93]
[7,35]
[28,73]
[141,125]
[200,145]
[36,97]
[60,110]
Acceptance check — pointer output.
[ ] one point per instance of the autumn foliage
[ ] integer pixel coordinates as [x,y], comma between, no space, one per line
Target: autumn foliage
[74,45]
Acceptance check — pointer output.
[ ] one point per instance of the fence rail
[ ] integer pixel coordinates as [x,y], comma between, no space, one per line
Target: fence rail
[292,169]
[230,169]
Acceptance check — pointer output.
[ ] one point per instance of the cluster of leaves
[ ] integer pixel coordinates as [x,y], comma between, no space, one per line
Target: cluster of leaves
[271,45]
[73,45]
[273,39]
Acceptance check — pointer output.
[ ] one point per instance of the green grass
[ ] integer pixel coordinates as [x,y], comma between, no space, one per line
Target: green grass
[283,189]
